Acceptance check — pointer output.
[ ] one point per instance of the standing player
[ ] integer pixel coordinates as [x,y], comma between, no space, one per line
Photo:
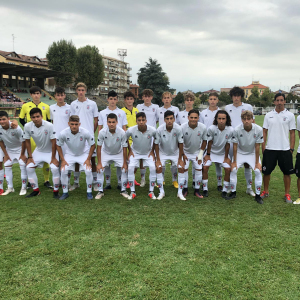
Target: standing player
[35,94]
[218,138]
[112,148]
[235,110]
[130,112]
[297,165]
[279,125]
[87,111]
[43,135]
[246,140]
[112,108]
[168,145]
[142,149]
[167,99]
[189,99]
[194,140]
[150,110]
[13,147]
[80,148]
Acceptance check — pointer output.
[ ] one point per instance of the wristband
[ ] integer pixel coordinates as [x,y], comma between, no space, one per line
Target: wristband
[292,150]
[29,157]
[200,156]
[208,153]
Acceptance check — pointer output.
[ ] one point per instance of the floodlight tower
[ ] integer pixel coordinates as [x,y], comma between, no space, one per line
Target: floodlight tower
[122,53]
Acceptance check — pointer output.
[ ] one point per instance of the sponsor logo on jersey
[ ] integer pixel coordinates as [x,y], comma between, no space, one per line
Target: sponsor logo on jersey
[68,139]
[164,136]
[205,115]
[161,112]
[136,136]
[186,133]
[53,110]
[31,132]
[241,135]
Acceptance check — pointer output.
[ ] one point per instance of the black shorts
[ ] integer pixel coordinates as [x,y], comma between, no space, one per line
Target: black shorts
[297,165]
[284,159]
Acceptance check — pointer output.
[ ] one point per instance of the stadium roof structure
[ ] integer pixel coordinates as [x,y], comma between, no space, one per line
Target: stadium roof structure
[17,70]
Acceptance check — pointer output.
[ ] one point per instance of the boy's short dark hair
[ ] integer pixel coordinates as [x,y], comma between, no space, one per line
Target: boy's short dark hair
[278,95]
[193,111]
[112,94]
[74,118]
[35,110]
[3,113]
[141,114]
[213,94]
[168,113]
[237,91]
[147,92]
[112,116]
[35,89]
[128,94]
[59,90]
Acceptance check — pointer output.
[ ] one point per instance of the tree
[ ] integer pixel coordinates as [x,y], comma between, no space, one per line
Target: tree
[203,98]
[292,97]
[90,66]
[266,99]
[178,99]
[61,57]
[254,97]
[224,98]
[153,77]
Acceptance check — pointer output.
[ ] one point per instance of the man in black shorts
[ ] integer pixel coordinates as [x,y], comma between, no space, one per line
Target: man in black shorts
[279,126]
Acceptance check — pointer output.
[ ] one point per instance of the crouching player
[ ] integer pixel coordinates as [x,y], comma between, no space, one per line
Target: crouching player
[194,140]
[246,140]
[218,138]
[81,146]
[112,148]
[13,147]
[168,145]
[43,134]
[141,149]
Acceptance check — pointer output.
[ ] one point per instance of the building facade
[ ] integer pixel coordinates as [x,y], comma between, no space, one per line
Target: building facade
[117,76]
[249,87]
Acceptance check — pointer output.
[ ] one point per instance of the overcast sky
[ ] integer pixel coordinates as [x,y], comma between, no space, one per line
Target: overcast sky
[199,44]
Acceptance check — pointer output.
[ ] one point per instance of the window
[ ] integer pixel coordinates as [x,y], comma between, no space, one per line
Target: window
[106,89]
[105,81]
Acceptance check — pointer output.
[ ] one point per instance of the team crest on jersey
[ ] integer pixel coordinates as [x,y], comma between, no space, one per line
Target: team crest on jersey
[81,138]
[243,110]
[12,134]
[199,133]
[118,139]
[88,107]
[254,135]
[284,119]
[66,112]
[149,136]
[136,112]
[226,137]
[43,107]
[119,115]
[175,134]
[153,109]
[46,132]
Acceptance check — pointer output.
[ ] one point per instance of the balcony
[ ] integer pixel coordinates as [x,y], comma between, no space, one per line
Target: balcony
[114,78]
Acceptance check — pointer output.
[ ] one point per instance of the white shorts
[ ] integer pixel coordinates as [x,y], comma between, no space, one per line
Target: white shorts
[194,159]
[242,159]
[164,158]
[219,159]
[73,159]
[42,157]
[14,159]
[135,160]
[1,155]
[107,159]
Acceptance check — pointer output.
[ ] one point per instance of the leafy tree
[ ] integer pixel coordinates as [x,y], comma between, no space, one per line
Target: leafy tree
[254,97]
[62,57]
[153,77]
[90,66]
[255,92]
[197,102]
[203,98]
[178,99]
[198,94]
[266,99]
[292,97]
[224,98]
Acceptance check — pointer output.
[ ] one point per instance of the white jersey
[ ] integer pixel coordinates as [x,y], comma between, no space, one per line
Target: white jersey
[207,116]
[150,112]
[12,138]
[246,140]
[193,138]
[102,119]
[219,137]
[235,113]
[141,142]
[168,141]
[42,135]
[161,112]
[86,111]
[77,143]
[183,117]
[279,126]
[298,128]
[60,117]
[112,143]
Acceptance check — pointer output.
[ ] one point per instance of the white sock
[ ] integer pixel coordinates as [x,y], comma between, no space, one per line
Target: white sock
[181,182]
[198,179]
[143,173]
[174,173]
[107,173]
[76,177]
[160,182]
[205,184]
[248,176]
